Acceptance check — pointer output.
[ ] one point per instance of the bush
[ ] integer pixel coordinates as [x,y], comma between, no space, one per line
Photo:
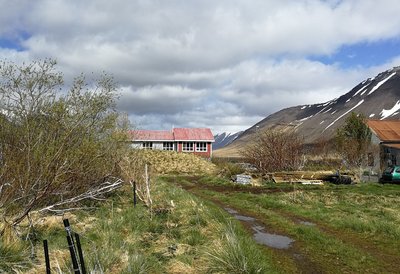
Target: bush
[274,150]
[54,144]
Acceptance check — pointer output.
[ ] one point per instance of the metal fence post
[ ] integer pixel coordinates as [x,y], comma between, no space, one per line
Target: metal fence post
[46,256]
[71,246]
[81,261]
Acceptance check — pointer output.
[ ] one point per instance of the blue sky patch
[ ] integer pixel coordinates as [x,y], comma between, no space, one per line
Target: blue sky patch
[363,54]
[14,42]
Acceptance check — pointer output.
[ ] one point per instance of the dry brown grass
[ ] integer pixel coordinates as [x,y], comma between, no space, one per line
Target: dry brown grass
[171,162]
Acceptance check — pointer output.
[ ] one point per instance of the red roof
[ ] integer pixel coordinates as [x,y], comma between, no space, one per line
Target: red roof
[152,135]
[177,134]
[193,134]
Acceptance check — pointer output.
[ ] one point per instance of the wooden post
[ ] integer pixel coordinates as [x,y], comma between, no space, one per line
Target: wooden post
[46,256]
[150,202]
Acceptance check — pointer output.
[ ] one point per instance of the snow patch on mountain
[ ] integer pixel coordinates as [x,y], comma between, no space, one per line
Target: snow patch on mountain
[306,118]
[389,112]
[361,89]
[381,83]
[359,103]
[224,139]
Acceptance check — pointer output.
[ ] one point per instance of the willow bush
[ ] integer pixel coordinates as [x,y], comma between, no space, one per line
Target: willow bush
[55,142]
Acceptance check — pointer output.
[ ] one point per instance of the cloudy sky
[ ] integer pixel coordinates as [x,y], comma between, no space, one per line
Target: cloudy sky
[223,64]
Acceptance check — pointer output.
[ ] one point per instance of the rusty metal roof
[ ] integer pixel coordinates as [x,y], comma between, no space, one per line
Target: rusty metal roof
[386,130]
[152,135]
[193,134]
[396,146]
[177,134]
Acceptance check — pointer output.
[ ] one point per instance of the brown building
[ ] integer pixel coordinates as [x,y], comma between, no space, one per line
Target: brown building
[386,134]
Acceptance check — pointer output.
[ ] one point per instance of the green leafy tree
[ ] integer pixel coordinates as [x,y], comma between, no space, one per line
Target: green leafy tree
[353,140]
[55,142]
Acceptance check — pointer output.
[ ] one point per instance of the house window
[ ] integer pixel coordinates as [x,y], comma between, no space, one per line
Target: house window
[168,146]
[187,146]
[148,145]
[201,147]
[371,161]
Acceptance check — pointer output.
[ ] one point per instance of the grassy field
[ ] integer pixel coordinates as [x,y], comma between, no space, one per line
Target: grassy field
[341,229]
[335,228]
[182,234]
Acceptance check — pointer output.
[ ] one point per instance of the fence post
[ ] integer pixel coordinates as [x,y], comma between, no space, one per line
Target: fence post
[71,246]
[46,256]
[73,255]
[81,261]
[134,193]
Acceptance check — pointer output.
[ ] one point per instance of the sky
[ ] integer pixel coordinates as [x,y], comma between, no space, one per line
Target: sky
[223,64]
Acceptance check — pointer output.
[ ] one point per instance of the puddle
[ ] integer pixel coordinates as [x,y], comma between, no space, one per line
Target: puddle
[306,223]
[271,240]
[231,210]
[260,236]
[244,218]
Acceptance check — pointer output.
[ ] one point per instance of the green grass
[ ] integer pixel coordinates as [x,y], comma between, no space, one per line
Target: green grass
[14,257]
[185,235]
[357,226]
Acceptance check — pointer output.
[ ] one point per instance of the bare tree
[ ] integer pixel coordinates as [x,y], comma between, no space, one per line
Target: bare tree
[55,143]
[273,150]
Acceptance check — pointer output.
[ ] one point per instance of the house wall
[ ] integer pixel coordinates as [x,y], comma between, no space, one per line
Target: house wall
[139,144]
[205,154]
[177,147]
[136,145]
[389,156]
[158,146]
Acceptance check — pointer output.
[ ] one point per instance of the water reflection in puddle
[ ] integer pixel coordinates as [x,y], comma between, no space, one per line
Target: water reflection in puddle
[260,236]
[230,210]
[271,240]
[306,223]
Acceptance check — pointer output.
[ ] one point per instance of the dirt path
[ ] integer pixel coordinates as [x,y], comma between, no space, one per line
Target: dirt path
[388,260]
[257,227]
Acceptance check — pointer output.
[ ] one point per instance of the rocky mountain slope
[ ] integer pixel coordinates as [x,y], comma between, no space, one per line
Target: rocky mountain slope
[224,139]
[376,98]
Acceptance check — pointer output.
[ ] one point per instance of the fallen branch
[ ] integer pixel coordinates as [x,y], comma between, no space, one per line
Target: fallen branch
[102,189]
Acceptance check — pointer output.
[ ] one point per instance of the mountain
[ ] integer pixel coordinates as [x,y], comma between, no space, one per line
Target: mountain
[224,139]
[377,98]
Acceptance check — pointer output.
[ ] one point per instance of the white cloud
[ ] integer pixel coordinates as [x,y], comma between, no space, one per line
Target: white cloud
[221,64]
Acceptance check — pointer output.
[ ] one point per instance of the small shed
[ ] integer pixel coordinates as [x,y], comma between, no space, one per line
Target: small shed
[386,134]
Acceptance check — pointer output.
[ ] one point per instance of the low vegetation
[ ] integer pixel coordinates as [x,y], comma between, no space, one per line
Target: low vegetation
[182,234]
[172,162]
[351,228]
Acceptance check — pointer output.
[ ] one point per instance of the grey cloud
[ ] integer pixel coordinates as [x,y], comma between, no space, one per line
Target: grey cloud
[159,99]
[203,63]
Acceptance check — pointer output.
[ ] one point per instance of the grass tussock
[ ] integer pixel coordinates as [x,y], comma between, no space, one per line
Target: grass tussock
[14,258]
[176,236]
[234,253]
